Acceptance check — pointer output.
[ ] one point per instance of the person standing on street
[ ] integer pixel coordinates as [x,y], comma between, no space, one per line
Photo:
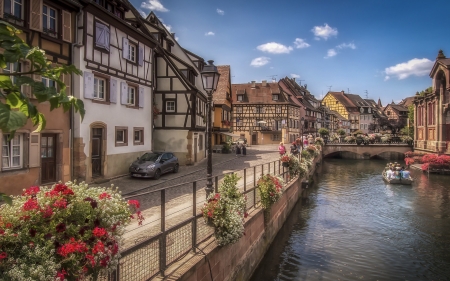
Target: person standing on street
[238,149]
[244,150]
[282,148]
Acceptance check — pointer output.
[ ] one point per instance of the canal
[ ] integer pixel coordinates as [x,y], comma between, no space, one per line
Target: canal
[350,225]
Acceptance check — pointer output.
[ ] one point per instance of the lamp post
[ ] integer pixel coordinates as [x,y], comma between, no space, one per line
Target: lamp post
[210,79]
[302,121]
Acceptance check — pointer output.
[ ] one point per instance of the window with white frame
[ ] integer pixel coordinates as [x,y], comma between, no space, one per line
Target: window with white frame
[132,52]
[240,97]
[238,109]
[276,137]
[48,83]
[121,136]
[13,68]
[99,88]
[170,106]
[131,97]
[12,152]
[275,97]
[239,122]
[138,136]
[50,21]
[13,11]
[278,109]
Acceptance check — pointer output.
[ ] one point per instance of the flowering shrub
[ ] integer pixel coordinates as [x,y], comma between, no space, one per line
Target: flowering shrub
[350,139]
[319,141]
[305,154]
[294,165]
[285,158]
[425,166]
[226,211]
[409,161]
[66,232]
[385,138]
[270,189]
[313,150]
[407,139]
[433,161]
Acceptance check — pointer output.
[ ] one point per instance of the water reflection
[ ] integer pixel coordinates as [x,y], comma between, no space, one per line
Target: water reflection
[355,227]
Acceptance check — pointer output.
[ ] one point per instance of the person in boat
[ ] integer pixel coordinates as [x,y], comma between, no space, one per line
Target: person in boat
[389,174]
[405,174]
[398,173]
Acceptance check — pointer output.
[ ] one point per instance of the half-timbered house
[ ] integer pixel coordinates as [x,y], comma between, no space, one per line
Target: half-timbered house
[339,102]
[179,97]
[222,107]
[432,111]
[39,158]
[116,57]
[264,114]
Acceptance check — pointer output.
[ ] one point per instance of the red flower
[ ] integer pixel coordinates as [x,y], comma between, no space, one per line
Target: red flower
[71,247]
[140,217]
[99,232]
[134,203]
[104,195]
[91,259]
[61,227]
[92,202]
[61,274]
[31,191]
[104,262]
[32,232]
[3,255]
[47,212]
[60,203]
[31,204]
[2,231]
[98,248]
[115,249]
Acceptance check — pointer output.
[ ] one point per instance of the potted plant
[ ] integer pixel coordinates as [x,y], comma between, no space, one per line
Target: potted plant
[341,133]
[270,189]
[359,139]
[285,160]
[350,139]
[408,140]
[64,232]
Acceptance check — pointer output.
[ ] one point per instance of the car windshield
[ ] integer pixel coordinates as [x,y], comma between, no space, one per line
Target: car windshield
[149,157]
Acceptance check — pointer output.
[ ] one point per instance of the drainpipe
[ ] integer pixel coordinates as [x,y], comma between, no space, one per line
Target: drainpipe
[72,111]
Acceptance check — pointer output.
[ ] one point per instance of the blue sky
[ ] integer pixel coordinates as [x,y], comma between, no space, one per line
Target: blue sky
[383,47]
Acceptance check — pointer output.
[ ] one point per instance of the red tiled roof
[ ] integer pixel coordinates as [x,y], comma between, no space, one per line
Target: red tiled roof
[340,96]
[259,94]
[223,87]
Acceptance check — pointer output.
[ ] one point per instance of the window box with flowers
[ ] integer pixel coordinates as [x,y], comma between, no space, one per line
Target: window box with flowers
[285,160]
[64,232]
[270,189]
[226,122]
[225,211]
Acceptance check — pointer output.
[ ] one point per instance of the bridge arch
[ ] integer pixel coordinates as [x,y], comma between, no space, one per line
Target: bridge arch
[373,151]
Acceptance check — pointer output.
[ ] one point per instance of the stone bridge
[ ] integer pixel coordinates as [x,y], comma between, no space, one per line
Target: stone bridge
[354,151]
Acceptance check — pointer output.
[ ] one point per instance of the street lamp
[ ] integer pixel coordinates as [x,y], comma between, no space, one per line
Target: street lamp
[210,79]
[302,121]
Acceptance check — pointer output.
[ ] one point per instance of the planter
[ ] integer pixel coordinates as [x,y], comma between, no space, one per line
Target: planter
[359,141]
[341,139]
[285,164]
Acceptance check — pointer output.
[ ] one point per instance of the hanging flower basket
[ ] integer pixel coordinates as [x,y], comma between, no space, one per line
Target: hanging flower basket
[285,164]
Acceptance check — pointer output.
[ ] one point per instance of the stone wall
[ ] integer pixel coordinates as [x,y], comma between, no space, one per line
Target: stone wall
[238,261]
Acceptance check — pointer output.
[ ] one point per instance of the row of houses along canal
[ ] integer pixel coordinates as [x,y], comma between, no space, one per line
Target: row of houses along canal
[350,225]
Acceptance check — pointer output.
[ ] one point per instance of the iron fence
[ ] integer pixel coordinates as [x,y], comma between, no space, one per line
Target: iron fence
[174,226]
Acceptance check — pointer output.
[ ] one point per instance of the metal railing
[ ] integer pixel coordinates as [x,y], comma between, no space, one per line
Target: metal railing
[174,225]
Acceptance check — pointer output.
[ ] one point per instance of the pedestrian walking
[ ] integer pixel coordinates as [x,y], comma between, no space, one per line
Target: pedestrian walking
[282,148]
[238,149]
[294,149]
[244,150]
[305,142]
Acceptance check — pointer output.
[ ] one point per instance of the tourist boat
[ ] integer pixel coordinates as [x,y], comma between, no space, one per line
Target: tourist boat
[407,181]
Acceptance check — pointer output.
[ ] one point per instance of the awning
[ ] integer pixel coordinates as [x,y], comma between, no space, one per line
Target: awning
[229,134]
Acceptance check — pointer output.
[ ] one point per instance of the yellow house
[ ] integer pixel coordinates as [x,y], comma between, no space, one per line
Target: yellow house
[222,106]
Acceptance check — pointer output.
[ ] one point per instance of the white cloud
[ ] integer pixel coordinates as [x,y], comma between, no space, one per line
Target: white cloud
[210,33]
[154,5]
[300,43]
[416,67]
[344,46]
[295,75]
[260,61]
[168,27]
[220,12]
[324,32]
[275,48]
[143,14]
[331,53]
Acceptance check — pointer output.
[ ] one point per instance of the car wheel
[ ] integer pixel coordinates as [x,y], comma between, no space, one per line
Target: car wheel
[175,169]
[157,174]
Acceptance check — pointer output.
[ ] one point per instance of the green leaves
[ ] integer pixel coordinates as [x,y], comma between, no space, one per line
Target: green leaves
[5,198]
[18,107]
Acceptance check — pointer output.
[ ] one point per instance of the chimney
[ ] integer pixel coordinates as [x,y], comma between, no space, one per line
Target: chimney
[264,83]
[343,92]
[253,84]
[294,79]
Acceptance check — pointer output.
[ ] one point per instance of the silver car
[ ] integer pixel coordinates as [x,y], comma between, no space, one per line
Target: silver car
[154,164]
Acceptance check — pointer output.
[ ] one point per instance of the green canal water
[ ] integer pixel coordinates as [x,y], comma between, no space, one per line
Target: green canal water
[350,225]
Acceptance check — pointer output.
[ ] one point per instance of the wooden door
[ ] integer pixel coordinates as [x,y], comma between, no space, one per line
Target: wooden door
[96,152]
[447,132]
[48,158]
[254,139]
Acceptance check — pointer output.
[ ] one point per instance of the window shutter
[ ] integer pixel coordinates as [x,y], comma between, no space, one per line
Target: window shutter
[141,97]
[67,26]
[141,56]
[125,48]
[66,78]
[107,36]
[26,89]
[34,155]
[37,77]
[1,8]
[100,34]
[123,92]
[36,15]
[88,85]
[113,90]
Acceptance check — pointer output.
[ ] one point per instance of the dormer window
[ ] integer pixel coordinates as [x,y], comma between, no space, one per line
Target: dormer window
[240,97]
[189,75]
[275,97]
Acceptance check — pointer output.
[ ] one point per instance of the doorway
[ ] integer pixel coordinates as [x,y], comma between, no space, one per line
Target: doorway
[195,150]
[96,152]
[254,139]
[48,158]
